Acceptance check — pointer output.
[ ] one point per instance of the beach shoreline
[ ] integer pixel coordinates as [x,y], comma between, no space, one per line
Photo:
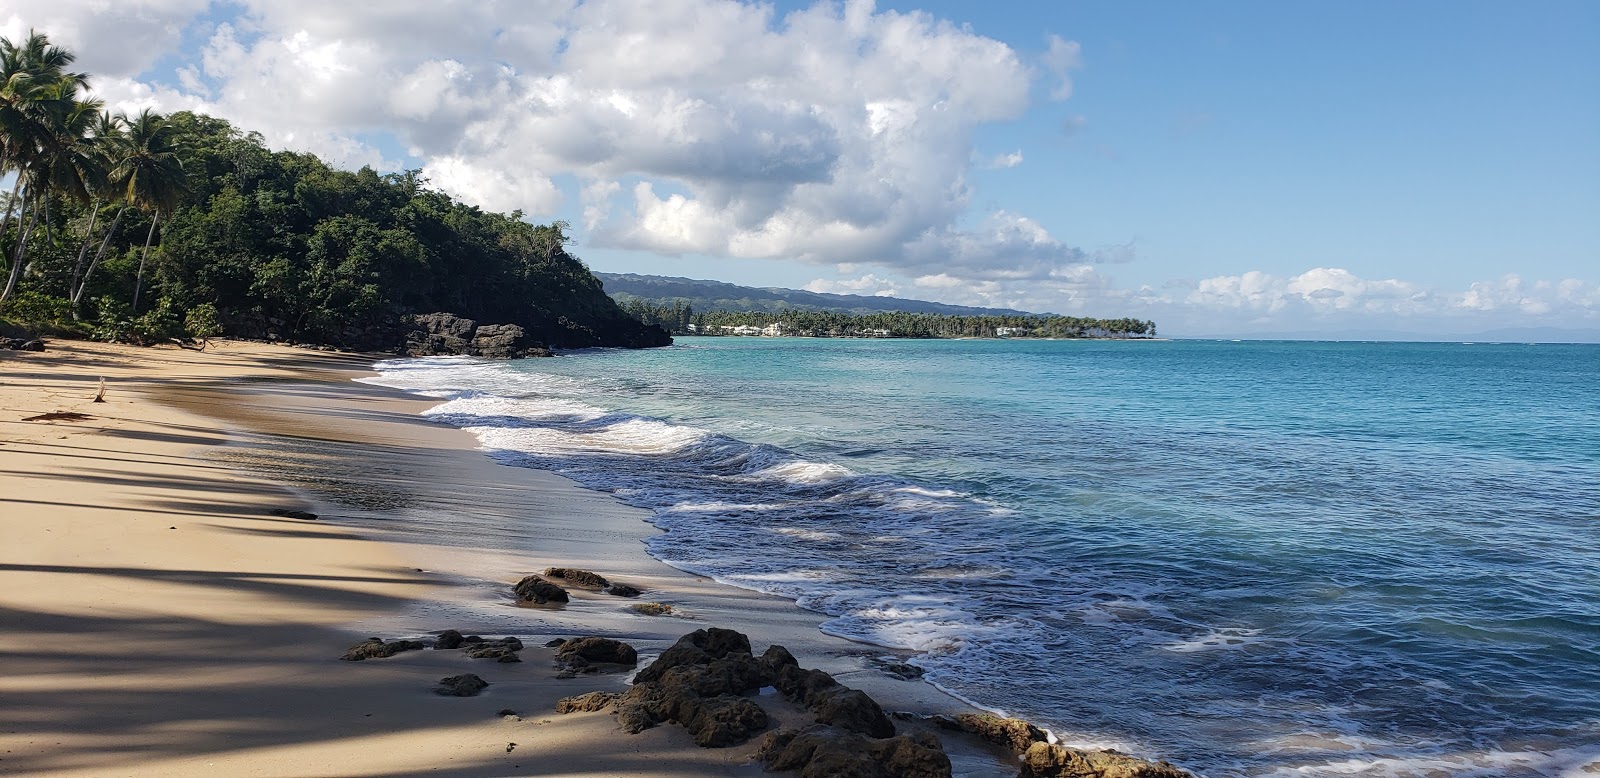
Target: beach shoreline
[212,650]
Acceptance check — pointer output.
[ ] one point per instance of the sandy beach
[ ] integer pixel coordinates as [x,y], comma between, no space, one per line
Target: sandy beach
[159,619]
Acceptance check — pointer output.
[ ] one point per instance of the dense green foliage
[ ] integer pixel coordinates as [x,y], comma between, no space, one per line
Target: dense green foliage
[150,227]
[679,318]
[721,296]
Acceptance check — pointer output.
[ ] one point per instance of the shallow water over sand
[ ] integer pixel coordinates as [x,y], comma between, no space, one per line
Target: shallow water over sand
[1363,559]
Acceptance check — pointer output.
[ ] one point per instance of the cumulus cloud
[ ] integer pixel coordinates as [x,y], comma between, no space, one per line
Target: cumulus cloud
[838,132]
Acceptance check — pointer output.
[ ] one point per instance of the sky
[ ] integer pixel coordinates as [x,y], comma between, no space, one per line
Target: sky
[1222,168]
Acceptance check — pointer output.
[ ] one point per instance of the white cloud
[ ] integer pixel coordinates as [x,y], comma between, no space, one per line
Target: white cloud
[1061,58]
[837,133]
[1005,160]
[868,284]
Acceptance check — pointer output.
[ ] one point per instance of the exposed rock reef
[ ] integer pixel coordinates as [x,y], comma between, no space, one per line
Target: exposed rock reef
[707,683]
[703,683]
[439,334]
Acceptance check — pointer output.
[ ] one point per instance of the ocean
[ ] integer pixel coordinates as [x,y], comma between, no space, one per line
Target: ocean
[1251,558]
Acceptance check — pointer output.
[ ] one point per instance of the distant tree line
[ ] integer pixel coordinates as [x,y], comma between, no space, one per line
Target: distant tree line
[679,318]
[146,227]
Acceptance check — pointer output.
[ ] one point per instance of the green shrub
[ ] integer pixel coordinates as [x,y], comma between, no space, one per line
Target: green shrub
[31,306]
[202,321]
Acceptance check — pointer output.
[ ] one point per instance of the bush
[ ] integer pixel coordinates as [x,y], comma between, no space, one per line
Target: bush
[115,323]
[202,321]
[39,308]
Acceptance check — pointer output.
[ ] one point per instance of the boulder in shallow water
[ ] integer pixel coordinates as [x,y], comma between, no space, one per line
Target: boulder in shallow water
[1015,735]
[464,685]
[537,590]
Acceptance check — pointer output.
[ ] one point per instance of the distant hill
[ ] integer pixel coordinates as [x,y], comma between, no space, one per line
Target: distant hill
[708,296]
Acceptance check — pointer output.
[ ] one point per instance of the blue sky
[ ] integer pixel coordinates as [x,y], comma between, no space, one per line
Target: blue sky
[1221,167]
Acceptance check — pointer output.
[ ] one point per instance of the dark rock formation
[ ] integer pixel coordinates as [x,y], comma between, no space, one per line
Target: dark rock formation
[825,752]
[850,710]
[464,685]
[504,649]
[623,590]
[293,514]
[703,680]
[375,648]
[447,640]
[578,577]
[597,649]
[1044,760]
[696,648]
[1014,735]
[586,702]
[537,590]
[435,334]
[721,721]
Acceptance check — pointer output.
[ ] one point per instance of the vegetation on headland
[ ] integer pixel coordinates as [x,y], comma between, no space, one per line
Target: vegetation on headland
[680,318]
[142,228]
[722,296]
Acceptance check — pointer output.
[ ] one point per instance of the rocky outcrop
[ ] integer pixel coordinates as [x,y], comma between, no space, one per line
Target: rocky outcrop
[539,591]
[592,580]
[375,648]
[1046,760]
[597,649]
[464,685]
[826,752]
[704,680]
[583,703]
[441,334]
[448,639]
[1014,735]
[623,590]
[502,650]
[1042,759]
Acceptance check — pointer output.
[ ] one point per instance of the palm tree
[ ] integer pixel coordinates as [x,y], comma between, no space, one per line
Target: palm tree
[41,121]
[105,146]
[151,176]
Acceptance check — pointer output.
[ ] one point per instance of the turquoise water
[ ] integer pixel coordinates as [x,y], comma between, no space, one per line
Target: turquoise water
[1254,558]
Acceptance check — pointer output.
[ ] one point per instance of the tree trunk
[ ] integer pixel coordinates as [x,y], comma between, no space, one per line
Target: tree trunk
[94,263]
[5,223]
[21,252]
[138,282]
[83,252]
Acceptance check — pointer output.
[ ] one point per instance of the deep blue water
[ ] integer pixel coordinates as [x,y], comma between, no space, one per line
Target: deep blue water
[1254,558]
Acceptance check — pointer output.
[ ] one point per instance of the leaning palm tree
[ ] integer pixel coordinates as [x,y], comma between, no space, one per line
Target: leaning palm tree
[152,178]
[103,148]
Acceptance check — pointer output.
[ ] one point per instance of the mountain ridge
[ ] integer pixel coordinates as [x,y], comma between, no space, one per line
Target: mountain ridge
[706,295]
